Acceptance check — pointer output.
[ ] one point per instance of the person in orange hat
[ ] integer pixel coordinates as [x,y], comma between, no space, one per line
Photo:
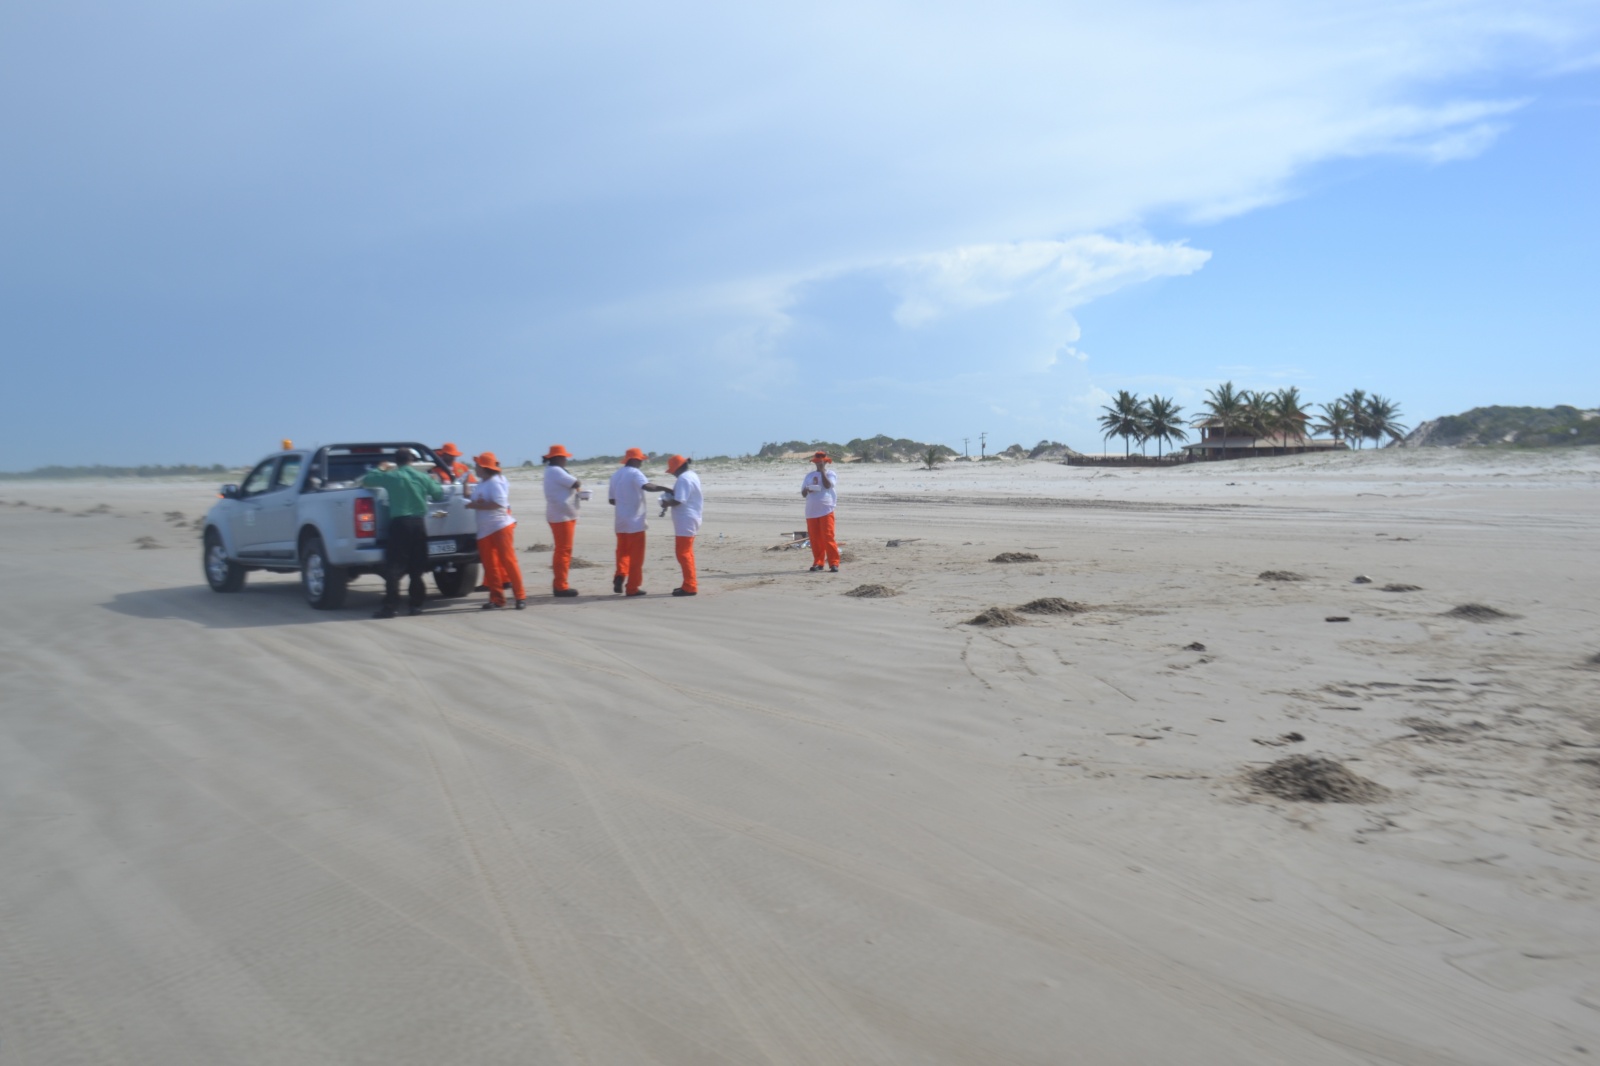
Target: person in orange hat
[450,468]
[687,504]
[491,499]
[819,490]
[626,493]
[561,511]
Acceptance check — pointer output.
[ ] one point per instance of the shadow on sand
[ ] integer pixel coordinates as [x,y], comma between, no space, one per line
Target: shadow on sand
[280,603]
[262,602]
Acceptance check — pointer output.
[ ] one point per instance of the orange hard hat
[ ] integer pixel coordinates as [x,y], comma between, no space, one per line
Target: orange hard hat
[820,457]
[448,450]
[675,464]
[558,451]
[488,461]
[634,453]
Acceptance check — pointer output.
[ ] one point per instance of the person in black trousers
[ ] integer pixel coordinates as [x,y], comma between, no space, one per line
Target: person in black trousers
[406,549]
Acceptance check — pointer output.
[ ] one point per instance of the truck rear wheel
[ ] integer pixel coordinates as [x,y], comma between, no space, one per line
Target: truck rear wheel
[458,582]
[222,573]
[324,585]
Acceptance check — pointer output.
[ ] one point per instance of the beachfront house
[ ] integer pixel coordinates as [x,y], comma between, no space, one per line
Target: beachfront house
[1240,443]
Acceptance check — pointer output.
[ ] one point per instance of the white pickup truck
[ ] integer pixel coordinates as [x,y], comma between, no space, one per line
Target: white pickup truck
[306,512]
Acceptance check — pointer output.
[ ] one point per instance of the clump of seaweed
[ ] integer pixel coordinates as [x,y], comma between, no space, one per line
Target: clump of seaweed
[1313,779]
[1477,612]
[996,616]
[1052,605]
[1015,557]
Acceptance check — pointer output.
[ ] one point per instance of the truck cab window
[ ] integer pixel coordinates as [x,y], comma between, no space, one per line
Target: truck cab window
[260,479]
[288,472]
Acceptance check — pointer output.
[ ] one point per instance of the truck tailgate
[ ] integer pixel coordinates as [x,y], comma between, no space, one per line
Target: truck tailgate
[449,517]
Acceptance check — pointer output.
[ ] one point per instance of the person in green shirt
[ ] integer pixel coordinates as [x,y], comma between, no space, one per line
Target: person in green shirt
[406,550]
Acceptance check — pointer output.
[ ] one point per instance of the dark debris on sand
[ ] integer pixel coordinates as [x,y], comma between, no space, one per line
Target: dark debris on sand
[1399,587]
[872,592]
[1053,605]
[1431,729]
[1015,557]
[996,616]
[1313,779]
[1477,612]
[1280,575]
[583,564]
[538,548]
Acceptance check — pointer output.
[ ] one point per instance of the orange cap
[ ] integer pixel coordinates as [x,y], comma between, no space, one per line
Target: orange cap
[634,453]
[488,461]
[820,457]
[448,450]
[675,464]
[558,451]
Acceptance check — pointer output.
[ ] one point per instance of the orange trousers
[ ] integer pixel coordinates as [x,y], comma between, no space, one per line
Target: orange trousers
[561,558]
[824,549]
[685,547]
[630,558]
[499,557]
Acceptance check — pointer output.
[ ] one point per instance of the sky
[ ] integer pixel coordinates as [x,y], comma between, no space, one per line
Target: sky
[706,226]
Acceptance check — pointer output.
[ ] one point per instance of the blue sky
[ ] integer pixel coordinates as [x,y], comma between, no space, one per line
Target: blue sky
[710,226]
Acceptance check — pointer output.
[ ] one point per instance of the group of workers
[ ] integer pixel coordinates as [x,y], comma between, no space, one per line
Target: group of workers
[489,497]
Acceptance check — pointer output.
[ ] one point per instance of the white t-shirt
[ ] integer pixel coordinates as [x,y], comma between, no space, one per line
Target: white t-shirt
[686,516]
[627,488]
[560,501]
[823,496]
[495,490]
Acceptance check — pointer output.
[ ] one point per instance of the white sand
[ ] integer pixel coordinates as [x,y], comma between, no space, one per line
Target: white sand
[775,824]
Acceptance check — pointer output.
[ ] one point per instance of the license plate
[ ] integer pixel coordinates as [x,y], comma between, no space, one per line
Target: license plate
[441,547]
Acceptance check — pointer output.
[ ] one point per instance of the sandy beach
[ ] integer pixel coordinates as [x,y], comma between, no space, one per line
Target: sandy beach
[780,824]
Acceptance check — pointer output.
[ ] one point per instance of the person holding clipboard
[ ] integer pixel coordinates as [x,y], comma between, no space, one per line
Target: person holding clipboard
[820,491]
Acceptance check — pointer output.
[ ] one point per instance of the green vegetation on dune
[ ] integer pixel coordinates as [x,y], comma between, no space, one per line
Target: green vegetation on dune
[1509,427]
[56,473]
[879,449]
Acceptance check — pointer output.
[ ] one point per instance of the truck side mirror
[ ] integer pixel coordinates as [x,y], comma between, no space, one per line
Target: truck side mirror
[229,492]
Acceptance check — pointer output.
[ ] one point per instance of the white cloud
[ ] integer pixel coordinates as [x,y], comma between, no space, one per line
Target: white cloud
[1089,401]
[1064,274]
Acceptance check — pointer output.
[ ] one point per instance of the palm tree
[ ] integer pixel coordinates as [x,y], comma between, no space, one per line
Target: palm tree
[1161,422]
[932,457]
[1290,414]
[1123,418]
[1383,419]
[1258,415]
[1356,402]
[1224,405]
[1336,420]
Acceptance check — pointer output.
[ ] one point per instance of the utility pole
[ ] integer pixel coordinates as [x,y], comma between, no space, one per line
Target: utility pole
[983,439]
[964,453]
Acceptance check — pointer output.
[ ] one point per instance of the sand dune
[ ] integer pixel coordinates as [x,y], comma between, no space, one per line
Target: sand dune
[782,824]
